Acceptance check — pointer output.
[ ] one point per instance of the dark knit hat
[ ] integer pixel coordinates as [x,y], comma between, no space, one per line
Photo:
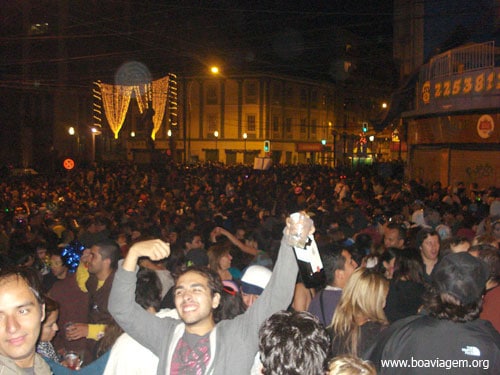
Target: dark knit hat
[197,257]
[462,276]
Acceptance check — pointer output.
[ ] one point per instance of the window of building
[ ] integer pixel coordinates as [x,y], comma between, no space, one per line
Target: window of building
[276,93]
[251,123]
[314,99]
[288,125]
[314,126]
[212,123]
[289,95]
[211,93]
[347,66]
[303,97]
[39,28]
[276,124]
[251,93]
[302,125]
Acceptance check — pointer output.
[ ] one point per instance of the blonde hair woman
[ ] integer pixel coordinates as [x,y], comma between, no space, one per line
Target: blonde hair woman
[349,365]
[359,316]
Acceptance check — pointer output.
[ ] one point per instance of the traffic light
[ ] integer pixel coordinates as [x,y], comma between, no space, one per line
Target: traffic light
[267,146]
[365,127]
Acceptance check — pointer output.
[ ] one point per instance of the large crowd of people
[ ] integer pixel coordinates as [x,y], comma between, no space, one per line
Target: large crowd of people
[218,280]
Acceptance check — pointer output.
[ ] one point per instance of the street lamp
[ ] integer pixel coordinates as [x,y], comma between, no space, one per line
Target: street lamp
[214,70]
[216,135]
[245,136]
[73,133]
[94,132]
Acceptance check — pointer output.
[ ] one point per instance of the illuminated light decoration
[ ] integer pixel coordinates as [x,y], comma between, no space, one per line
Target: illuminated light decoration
[172,100]
[142,95]
[97,104]
[116,99]
[71,255]
[159,95]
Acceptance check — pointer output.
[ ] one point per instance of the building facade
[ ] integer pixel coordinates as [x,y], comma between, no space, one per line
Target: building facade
[447,107]
[229,118]
[453,132]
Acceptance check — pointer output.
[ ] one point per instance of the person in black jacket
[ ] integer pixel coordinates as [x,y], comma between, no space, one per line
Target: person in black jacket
[450,335]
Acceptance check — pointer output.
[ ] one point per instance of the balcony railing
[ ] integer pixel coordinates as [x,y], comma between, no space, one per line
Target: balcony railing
[460,60]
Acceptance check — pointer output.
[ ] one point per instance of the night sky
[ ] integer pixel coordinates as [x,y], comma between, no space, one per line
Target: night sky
[186,36]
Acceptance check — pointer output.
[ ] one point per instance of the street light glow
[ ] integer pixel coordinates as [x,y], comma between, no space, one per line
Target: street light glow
[384,105]
[216,134]
[169,133]
[214,70]
[71,130]
[245,135]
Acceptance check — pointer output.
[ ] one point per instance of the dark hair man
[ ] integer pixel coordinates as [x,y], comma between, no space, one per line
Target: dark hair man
[339,266]
[293,343]
[451,335]
[22,311]
[191,240]
[394,236]
[195,344]
[491,301]
[103,261]
[429,244]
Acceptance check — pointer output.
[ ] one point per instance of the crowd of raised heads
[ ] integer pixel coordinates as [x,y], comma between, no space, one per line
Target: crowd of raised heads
[380,237]
[133,202]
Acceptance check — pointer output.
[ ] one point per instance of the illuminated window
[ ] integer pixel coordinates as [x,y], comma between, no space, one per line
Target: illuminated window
[347,66]
[39,28]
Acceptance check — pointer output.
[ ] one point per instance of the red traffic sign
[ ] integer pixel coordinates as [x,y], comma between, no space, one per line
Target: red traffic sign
[68,164]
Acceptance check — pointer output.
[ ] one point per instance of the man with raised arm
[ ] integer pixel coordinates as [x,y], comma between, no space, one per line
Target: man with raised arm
[195,344]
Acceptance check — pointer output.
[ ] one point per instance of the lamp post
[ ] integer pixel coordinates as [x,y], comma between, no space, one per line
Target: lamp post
[171,144]
[245,136]
[72,132]
[94,132]
[216,135]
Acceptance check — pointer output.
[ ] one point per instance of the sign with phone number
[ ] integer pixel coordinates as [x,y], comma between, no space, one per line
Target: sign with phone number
[466,84]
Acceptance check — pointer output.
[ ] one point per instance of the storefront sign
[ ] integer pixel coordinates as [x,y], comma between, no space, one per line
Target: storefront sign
[485,126]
